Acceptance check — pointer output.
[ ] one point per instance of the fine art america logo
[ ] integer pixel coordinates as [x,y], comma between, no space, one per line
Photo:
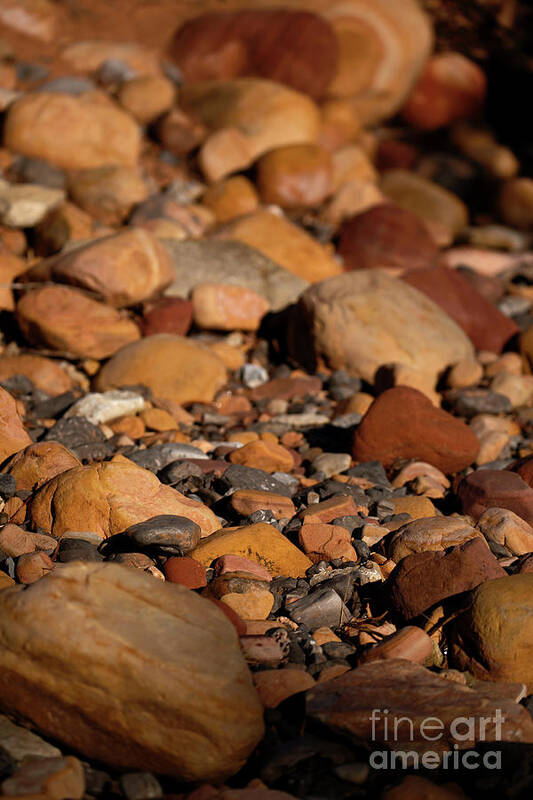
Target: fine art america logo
[448,743]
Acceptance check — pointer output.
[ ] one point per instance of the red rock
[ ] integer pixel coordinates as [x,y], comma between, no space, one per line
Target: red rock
[386,236]
[233,563]
[326,542]
[410,643]
[485,325]
[451,87]
[33,566]
[492,488]
[403,424]
[14,437]
[340,505]
[296,48]
[423,579]
[287,388]
[169,315]
[185,571]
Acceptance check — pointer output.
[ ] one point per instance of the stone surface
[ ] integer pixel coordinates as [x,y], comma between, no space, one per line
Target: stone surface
[106,406]
[25,205]
[322,542]
[247,501]
[507,529]
[433,533]
[65,319]
[38,463]
[231,198]
[60,778]
[14,436]
[423,579]
[267,456]
[185,571]
[107,193]
[72,132]
[169,315]
[275,686]
[147,97]
[167,532]
[403,423]
[295,176]
[336,322]
[109,497]
[171,366]
[45,373]
[21,744]
[80,697]
[493,638]
[491,488]
[218,306]
[261,543]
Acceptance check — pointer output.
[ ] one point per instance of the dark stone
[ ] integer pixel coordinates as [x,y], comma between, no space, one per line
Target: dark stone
[53,406]
[75,432]
[372,471]
[240,477]
[77,550]
[321,607]
[161,455]
[33,170]
[8,486]
[167,532]
[17,385]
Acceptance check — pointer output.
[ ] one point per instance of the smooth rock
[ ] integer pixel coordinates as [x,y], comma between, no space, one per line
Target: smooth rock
[231,198]
[218,306]
[507,529]
[58,778]
[90,55]
[45,373]
[169,315]
[490,488]
[107,193]
[275,686]
[247,501]
[25,205]
[433,533]
[21,744]
[167,532]
[410,643]
[185,571]
[14,436]
[147,97]
[106,406]
[38,463]
[295,176]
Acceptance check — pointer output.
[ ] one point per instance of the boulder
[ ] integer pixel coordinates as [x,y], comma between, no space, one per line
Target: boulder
[145,651]
[14,436]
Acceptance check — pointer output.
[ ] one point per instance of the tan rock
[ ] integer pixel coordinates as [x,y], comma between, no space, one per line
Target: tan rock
[72,131]
[466,373]
[147,97]
[64,225]
[224,152]
[70,689]
[432,533]
[38,463]
[267,456]
[417,507]
[171,366]
[14,436]
[261,543]
[46,374]
[107,498]
[275,686]
[107,193]
[504,527]
[67,320]
[246,501]
[35,18]
[285,243]
[231,198]
[250,605]
[218,306]
[295,176]
[88,56]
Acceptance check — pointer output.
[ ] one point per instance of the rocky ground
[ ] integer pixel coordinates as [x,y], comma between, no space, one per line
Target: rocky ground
[266,401]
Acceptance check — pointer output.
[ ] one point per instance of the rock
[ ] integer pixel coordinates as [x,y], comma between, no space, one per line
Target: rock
[331,463]
[431,534]
[246,501]
[450,88]
[322,542]
[31,567]
[296,48]
[410,691]
[492,488]
[14,436]
[402,424]
[349,332]
[175,627]
[168,315]
[71,132]
[38,463]
[231,198]
[35,18]
[89,56]
[464,374]
[518,388]
[275,686]
[287,388]
[410,643]
[107,193]
[239,477]
[227,308]
[267,456]
[15,542]
[295,176]
[166,532]
[250,605]
[45,373]
[185,571]
[321,607]
[493,637]
[234,263]
[65,319]
[505,528]
[423,579]
[108,498]
[516,203]
[25,205]
[171,366]
[261,543]
[418,507]
[139,785]
[11,266]
[232,563]
[158,456]
[107,406]
[283,242]
[21,744]
[124,269]
[340,505]
[147,97]
[386,236]
[480,319]
[60,778]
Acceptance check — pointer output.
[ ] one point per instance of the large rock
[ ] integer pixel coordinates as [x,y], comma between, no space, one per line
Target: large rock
[107,498]
[234,263]
[432,534]
[171,366]
[154,675]
[491,488]
[73,132]
[124,269]
[493,638]
[362,320]
[14,436]
[403,423]
[66,319]
[38,463]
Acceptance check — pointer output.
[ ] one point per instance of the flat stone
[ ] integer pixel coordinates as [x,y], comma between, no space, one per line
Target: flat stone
[22,744]
[171,533]
[247,501]
[159,456]
[267,456]
[507,529]
[431,533]
[489,488]
[106,406]
[238,476]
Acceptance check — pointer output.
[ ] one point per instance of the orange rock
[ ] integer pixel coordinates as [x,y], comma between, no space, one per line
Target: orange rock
[246,501]
[179,133]
[231,198]
[250,605]
[275,686]
[157,419]
[339,506]
[14,436]
[39,463]
[107,193]
[410,643]
[46,374]
[326,542]
[263,455]
[219,306]
[223,152]
[147,97]
[89,55]
[11,266]
[295,176]
[131,426]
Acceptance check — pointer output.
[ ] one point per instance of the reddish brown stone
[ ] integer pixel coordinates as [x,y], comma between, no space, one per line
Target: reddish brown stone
[185,571]
[410,643]
[423,579]
[32,566]
[524,468]
[492,488]
[341,505]
[238,623]
[403,424]
[326,542]
[169,315]
[233,563]
[286,388]
[296,48]
[486,326]
[386,236]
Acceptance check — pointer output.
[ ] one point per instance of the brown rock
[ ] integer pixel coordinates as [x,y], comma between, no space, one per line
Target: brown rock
[493,638]
[179,133]
[275,686]
[293,47]
[423,579]
[157,419]
[416,506]
[32,567]
[218,306]
[433,534]
[72,131]
[247,501]
[516,203]
[11,266]
[403,423]
[147,97]
[46,374]
[107,193]
[39,463]
[295,176]
[57,778]
[287,388]
[386,236]
[185,571]
[171,366]
[96,708]
[492,488]
[323,542]
[109,497]
[410,643]
[250,605]
[15,541]
[64,224]
[340,505]
[169,315]
[233,563]
[259,542]
[483,323]
[285,243]
[125,268]
[503,527]
[231,198]
[67,320]
[14,436]
[267,456]
[413,787]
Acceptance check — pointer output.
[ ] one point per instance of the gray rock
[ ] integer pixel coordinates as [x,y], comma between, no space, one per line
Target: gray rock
[321,607]
[170,532]
[253,375]
[20,743]
[235,263]
[240,477]
[331,463]
[160,455]
[140,786]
